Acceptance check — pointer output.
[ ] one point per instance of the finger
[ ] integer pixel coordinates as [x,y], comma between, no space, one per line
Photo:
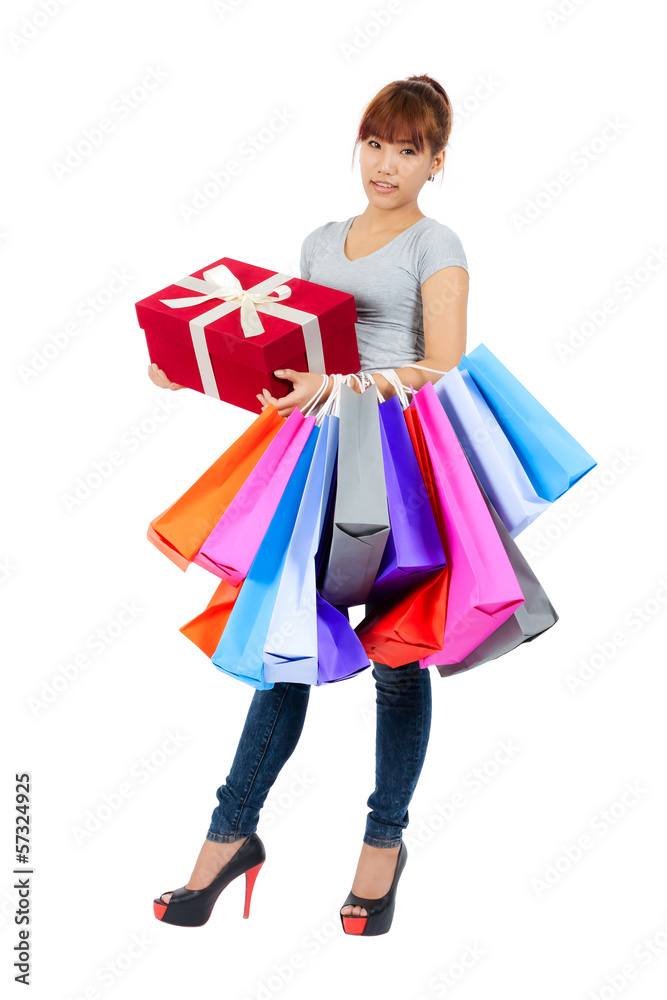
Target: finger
[286,373]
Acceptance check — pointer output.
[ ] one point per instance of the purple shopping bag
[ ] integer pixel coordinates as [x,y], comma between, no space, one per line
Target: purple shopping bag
[413,548]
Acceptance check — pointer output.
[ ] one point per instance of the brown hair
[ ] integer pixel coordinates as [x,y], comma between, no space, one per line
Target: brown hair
[417,106]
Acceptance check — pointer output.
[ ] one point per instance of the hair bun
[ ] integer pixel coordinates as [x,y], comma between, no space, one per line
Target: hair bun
[434,83]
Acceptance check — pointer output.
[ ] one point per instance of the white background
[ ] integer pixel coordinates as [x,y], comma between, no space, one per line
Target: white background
[532,93]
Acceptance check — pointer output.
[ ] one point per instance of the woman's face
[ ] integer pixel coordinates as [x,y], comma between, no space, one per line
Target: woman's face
[397,164]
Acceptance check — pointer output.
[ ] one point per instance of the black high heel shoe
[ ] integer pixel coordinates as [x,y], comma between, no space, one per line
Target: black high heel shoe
[380,911]
[193,907]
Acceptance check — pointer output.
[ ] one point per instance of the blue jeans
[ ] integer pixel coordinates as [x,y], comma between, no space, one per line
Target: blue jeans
[271,732]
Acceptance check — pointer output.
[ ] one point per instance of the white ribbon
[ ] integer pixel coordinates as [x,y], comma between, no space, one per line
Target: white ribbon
[221,283]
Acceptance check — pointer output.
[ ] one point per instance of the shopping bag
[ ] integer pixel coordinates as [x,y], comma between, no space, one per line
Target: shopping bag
[360,515]
[340,653]
[233,543]
[553,459]
[530,619]
[413,549]
[240,652]
[207,627]
[290,651]
[489,451]
[483,588]
[408,626]
[181,529]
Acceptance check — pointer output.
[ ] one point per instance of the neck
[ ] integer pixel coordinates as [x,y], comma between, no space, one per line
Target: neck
[380,219]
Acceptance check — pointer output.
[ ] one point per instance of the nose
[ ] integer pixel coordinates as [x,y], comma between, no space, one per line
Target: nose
[387,161]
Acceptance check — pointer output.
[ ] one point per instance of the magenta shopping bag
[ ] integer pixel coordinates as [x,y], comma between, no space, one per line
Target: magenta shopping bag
[483,589]
[232,545]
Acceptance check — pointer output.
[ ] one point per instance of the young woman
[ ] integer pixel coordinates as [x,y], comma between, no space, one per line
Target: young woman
[408,274]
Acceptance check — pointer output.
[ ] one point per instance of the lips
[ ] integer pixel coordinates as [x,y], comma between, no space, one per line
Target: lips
[384,184]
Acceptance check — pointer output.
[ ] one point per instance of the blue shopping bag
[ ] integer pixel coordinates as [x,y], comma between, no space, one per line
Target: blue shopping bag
[552,458]
[240,651]
[309,641]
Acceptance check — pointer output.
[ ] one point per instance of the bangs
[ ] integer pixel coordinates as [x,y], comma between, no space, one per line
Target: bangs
[399,117]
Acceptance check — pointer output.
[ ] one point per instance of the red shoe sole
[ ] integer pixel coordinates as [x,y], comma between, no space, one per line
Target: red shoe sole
[353,925]
[158,909]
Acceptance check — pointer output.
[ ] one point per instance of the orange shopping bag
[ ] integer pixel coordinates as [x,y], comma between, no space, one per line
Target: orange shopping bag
[206,629]
[181,530]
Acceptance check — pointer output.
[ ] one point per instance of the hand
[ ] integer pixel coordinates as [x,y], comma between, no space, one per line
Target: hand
[305,385]
[157,376]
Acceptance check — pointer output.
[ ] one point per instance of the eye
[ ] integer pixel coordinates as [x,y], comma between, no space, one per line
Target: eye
[372,142]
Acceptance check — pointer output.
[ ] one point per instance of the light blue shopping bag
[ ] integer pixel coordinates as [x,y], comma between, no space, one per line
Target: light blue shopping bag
[552,458]
[489,451]
[309,641]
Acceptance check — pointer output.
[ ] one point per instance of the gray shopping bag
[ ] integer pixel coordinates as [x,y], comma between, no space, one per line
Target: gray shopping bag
[361,516]
[532,618]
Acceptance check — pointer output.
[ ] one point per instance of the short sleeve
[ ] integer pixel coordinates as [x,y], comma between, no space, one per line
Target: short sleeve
[305,265]
[440,248]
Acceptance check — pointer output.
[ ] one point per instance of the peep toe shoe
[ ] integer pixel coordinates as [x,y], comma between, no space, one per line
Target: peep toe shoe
[193,907]
[380,911]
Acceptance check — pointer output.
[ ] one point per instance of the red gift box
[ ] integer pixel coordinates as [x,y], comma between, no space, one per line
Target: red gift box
[225,329]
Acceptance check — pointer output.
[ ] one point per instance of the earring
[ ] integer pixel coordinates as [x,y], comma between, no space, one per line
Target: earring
[430,177]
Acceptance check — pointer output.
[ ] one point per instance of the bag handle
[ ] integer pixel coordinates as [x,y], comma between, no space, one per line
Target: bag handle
[424,368]
[331,405]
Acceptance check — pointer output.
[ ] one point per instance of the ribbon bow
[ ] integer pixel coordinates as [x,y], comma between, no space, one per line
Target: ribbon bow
[221,283]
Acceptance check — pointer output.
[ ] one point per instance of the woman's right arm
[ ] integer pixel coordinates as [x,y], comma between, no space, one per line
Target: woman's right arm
[157,376]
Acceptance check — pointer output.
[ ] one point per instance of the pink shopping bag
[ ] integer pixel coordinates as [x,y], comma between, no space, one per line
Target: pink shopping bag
[232,545]
[483,588]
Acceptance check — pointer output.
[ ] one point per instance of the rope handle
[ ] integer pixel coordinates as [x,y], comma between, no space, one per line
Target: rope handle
[331,405]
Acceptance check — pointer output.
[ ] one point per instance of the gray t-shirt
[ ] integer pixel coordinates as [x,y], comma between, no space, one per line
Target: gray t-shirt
[386,284]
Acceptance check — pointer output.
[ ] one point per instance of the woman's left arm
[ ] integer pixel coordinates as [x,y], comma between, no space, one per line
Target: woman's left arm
[445,305]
